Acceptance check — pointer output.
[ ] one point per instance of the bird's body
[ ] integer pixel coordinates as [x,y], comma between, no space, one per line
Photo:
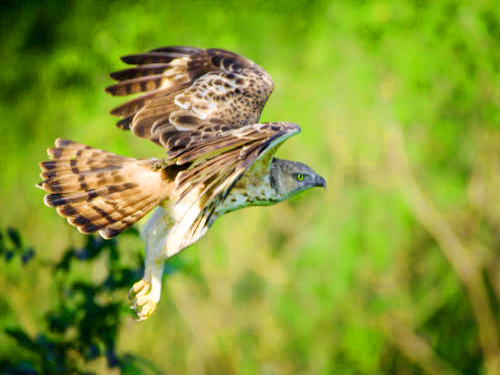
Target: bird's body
[203,107]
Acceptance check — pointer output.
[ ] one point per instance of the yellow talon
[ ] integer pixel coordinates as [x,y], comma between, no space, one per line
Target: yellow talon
[146,310]
[140,294]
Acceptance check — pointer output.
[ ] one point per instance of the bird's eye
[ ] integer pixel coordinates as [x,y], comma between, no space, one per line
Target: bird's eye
[300,177]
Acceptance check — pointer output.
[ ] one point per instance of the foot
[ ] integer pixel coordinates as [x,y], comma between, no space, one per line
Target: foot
[143,301]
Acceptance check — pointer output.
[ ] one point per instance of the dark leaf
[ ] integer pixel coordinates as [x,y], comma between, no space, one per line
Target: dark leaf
[2,244]
[8,255]
[92,352]
[27,255]
[22,339]
[111,357]
[64,263]
[14,237]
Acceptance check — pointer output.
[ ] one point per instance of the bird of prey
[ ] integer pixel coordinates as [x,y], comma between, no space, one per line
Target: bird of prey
[203,107]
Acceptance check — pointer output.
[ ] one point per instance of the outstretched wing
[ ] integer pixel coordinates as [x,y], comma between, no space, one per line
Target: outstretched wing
[190,94]
[202,106]
[215,168]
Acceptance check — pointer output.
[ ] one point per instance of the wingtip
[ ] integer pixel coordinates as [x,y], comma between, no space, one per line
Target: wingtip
[114,75]
[129,59]
[111,90]
[115,112]
[296,127]
[61,142]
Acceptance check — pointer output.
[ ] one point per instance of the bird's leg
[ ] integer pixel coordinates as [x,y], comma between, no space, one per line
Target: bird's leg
[145,294]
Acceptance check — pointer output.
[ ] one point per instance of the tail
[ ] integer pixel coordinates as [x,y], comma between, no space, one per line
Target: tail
[97,190]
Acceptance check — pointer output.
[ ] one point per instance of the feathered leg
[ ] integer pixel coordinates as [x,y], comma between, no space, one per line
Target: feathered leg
[145,294]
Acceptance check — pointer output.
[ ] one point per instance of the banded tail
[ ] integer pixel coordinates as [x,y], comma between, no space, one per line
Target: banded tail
[97,190]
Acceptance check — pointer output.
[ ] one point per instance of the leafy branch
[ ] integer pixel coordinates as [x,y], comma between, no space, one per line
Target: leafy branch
[84,323]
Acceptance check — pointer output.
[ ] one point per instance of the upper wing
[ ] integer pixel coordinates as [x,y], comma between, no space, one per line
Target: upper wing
[203,107]
[215,168]
[190,94]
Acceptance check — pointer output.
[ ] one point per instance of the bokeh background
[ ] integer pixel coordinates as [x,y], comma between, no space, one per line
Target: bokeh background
[394,269]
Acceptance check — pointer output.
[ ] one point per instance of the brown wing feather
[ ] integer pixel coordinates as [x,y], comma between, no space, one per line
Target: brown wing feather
[210,177]
[189,91]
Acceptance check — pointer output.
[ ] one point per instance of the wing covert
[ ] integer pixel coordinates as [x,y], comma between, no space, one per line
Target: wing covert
[215,170]
[187,92]
[203,107]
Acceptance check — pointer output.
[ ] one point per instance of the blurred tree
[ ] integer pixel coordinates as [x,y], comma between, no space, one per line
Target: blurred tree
[84,322]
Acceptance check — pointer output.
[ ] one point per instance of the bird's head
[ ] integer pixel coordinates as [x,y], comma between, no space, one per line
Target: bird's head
[291,177]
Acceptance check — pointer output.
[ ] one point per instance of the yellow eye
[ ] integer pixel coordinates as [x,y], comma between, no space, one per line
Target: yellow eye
[300,177]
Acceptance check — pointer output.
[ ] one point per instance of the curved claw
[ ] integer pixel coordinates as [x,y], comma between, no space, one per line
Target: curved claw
[142,300]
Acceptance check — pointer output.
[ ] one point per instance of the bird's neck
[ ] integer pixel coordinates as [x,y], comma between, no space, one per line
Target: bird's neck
[253,189]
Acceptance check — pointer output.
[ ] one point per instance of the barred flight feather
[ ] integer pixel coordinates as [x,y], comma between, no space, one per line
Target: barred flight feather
[203,107]
[191,94]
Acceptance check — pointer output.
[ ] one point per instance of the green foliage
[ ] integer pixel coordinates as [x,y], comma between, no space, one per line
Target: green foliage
[84,321]
[15,248]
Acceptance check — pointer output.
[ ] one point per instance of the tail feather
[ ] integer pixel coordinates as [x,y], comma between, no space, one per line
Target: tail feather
[100,191]
[118,226]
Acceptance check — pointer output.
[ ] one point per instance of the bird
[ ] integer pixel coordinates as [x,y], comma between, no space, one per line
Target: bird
[203,107]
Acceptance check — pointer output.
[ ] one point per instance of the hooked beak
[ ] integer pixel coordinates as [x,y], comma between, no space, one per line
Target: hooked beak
[320,181]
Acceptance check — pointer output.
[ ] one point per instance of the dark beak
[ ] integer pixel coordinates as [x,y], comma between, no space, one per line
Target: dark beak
[320,181]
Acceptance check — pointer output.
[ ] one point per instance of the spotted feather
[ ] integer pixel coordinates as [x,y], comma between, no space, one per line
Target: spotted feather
[191,94]
[201,106]
[200,188]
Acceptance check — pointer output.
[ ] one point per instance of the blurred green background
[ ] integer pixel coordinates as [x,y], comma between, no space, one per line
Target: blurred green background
[395,269]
